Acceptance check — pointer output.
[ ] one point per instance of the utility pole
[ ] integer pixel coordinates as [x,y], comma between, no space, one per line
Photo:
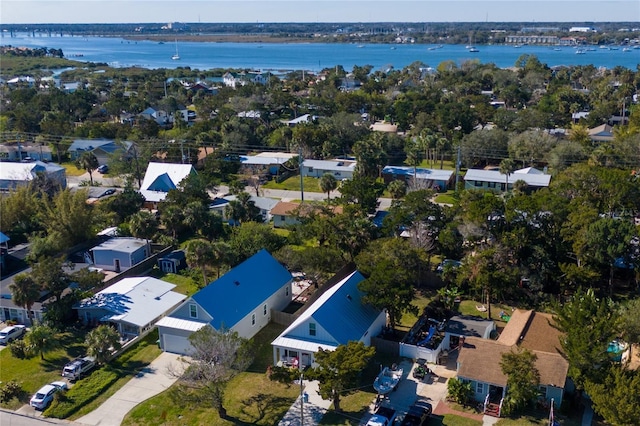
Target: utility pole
[300,160]
[301,400]
[457,169]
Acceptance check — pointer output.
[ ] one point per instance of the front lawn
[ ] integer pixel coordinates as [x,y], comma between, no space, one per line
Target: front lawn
[34,372]
[72,170]
[451,420]
[293,184]
[89,393]
[250,397]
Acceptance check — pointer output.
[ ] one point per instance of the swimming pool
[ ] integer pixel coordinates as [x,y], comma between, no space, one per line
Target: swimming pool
[616,348]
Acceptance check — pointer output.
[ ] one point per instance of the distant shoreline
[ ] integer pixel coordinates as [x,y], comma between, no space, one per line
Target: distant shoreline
[225,38]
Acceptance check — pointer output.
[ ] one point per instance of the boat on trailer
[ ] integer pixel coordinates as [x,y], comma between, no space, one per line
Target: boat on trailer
[387,380]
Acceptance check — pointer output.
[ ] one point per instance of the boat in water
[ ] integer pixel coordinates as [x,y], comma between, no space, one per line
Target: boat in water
[387,380]
[176,56]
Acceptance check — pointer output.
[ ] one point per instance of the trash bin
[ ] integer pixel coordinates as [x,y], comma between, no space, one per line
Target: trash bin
[305,397]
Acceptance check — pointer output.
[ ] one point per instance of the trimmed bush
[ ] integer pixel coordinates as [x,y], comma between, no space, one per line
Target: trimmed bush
[84,391]
[19,349]
[11,389]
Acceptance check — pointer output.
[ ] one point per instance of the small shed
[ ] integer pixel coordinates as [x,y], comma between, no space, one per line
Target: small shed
[173,262]
[120,253]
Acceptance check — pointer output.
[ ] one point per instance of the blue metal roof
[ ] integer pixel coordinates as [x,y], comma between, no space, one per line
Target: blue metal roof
[241,290]
[344,316]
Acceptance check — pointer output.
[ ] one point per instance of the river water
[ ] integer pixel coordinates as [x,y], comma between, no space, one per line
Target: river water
[118,52]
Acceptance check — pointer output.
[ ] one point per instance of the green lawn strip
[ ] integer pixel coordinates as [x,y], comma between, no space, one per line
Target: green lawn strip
[310,184]
[468,307]
[353,408]
[35,66]
[33,373]
[72,170]
[87,394]
[446,198]
[451,420]
[184,285]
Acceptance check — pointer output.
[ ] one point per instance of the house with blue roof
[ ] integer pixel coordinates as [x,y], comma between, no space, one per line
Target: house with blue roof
[241,301]
[337,317]
[101,148]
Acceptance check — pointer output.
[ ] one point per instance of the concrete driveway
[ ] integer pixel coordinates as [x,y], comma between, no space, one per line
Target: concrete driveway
[151,380]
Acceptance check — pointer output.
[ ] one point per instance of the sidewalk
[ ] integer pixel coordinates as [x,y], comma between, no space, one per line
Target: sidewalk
[152,380]
[313,409]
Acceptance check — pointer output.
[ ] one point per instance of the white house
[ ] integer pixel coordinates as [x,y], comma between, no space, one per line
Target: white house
[160,178]
[134,305]
[120,253]
[264,204]
[13,175]
[241,300]
[340,169]
[337,317]
[495,181]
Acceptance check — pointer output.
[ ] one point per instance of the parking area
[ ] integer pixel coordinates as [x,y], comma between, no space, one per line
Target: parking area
[432,389]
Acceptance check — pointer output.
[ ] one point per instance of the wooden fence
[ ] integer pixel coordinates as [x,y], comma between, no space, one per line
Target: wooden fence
[387,347]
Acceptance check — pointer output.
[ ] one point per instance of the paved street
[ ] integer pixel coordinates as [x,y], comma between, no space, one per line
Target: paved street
[9,418]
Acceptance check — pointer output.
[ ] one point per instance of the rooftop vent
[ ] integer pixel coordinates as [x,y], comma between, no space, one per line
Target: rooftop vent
[236,282]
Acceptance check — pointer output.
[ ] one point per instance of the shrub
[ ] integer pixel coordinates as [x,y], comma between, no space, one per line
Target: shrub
[19,349]
[459,391]
[11,389]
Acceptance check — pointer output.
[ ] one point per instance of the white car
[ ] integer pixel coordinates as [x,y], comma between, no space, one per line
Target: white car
[44,396]
[11,333]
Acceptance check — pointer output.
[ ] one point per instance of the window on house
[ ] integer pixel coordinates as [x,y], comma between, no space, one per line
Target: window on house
[477,183]
[543,391]
[492,184]
[193,311]
[312,329]
[479,387]
[253,319]
[264,310]
[282,217]
[310,169]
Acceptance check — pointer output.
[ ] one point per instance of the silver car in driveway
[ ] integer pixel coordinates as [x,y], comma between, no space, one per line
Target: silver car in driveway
[41,399]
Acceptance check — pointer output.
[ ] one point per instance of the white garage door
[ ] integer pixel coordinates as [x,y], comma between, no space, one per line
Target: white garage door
[175,344]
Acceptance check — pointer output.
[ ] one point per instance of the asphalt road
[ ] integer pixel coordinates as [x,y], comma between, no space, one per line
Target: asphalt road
[110,182]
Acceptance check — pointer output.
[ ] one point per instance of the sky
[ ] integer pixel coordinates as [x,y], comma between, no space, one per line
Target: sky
[158,11]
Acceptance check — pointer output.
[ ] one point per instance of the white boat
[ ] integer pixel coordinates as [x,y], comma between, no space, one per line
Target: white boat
[387,380]
[473,49]
[580,52]
[176,56]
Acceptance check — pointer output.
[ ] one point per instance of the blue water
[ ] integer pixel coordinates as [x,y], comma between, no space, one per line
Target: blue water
[307,56]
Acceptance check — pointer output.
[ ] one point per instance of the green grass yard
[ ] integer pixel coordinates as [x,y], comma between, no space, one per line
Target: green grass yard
[33,373]
[293,184]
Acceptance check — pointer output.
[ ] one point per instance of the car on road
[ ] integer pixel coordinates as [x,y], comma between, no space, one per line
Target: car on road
[11,333]
[103,168]
[41,399]
[448,263]
[107,192]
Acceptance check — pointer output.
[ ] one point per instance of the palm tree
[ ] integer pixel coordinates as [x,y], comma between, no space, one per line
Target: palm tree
[200,254]
[25,292]
[328,183]
[397,189]
[143,225]
[101,342]
[42,339]
[507,166]
[88,161]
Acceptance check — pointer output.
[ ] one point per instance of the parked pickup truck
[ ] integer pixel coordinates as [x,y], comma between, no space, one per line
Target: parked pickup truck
[384,416]
[78,367]
[418,414]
